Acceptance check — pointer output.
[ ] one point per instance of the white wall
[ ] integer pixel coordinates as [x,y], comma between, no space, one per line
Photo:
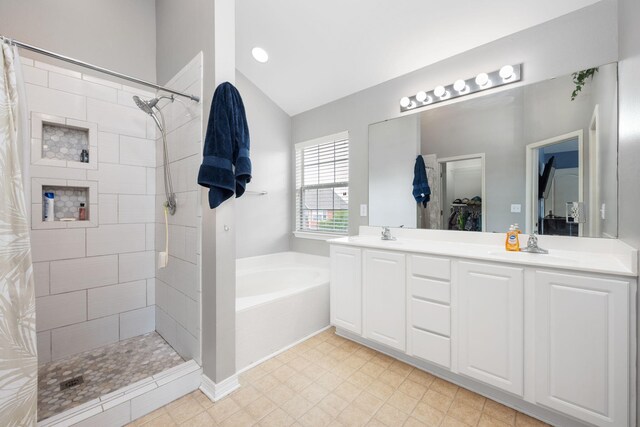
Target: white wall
[263,223]
[94,285]
[178,288]
[546,51]
[116,34]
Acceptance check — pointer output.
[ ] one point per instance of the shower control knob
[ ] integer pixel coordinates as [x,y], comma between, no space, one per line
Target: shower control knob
[226,227]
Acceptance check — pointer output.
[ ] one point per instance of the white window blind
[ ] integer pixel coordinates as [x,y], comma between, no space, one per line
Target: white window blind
[322,185]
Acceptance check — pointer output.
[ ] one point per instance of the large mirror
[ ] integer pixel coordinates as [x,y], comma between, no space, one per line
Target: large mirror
[542,155]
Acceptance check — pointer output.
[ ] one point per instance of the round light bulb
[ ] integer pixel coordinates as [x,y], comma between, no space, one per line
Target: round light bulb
[421,96]
[259,54]
[439,91]
[506,71]
[460,85]
[405,102]
[482,79]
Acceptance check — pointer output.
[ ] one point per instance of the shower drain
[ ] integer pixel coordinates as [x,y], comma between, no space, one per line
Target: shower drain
[71,383]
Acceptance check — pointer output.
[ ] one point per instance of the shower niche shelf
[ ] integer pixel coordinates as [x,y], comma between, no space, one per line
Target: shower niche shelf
[68,197]
[63,142]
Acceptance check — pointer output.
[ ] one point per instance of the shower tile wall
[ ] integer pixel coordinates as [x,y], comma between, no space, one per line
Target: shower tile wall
[95,285]
[178,285]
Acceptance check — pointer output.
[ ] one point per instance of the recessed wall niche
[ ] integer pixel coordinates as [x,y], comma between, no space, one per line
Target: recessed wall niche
[68,195]
[63,142]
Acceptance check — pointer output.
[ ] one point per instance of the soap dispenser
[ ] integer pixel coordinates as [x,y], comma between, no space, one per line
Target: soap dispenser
[513,242]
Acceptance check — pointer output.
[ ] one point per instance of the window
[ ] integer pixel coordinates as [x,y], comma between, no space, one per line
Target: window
[322,185]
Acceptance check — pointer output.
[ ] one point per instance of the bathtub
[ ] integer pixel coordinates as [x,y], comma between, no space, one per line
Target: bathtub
[281,298]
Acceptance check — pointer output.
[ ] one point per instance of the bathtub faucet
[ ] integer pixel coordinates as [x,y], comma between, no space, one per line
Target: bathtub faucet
[386,234]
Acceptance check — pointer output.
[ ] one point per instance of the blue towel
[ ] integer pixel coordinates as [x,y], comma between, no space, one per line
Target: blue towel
[226,168]
[421,190]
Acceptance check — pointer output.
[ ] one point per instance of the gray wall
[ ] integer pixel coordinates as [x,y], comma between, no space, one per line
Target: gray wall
[116,34]
[264,222]
[546,50]
[629,126]
[183,29]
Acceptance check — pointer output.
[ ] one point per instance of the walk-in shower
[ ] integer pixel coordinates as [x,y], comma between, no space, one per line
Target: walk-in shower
[148,107]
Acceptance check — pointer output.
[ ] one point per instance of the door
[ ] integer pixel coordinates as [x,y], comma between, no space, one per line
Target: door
[491,324]
[384,302]
[581,346]
[346,288]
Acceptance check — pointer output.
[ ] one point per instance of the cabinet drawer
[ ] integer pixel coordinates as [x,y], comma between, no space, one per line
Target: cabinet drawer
[427,266]
[431,347]
[436,290]
[431,316]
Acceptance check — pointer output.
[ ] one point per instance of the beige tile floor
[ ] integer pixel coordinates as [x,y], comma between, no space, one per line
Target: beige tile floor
[330,381]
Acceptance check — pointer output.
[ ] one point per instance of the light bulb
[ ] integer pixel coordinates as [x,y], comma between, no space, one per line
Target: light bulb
[439,91]
[405,102]
[460,85]
[482,79]
[259,54]
[506,72]
[422,96]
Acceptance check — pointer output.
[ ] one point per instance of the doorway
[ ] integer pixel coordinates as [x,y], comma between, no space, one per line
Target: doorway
[462,186]
[555,187]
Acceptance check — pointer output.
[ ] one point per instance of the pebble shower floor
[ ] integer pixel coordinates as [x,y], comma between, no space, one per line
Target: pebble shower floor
[103,370]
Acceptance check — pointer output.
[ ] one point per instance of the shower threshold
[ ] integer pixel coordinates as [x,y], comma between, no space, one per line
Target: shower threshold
[93,382]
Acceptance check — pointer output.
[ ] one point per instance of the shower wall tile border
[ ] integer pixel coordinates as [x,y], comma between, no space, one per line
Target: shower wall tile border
[38,120]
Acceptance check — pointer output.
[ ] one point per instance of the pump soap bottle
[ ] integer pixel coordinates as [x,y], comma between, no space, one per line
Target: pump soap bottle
[513,242]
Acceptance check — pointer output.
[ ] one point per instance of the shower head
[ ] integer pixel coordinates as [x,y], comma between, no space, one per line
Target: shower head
[146,106]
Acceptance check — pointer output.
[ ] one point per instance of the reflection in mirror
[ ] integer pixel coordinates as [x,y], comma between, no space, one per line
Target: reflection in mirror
[531,155]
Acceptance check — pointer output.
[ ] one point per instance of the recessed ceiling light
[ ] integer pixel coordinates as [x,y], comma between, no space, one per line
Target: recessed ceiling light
[259,54]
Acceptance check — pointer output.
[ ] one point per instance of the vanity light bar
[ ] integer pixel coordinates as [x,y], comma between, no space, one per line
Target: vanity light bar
[483,81]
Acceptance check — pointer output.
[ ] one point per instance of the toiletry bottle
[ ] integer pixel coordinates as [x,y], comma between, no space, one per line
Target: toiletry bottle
[82,212]
[512,243]
[84,156]
[48,206]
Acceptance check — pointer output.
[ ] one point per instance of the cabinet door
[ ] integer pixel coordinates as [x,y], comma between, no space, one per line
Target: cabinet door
[384,305]
[490,316]
[346,288]
[582,346]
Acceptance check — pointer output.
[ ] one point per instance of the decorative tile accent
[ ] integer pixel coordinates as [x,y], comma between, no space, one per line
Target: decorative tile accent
[64,143]
[104,370]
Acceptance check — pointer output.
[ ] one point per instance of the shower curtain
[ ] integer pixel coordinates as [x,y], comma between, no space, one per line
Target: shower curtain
[18,358]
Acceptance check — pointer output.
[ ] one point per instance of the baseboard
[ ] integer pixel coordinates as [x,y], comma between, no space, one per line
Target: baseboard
[217,391]
[282,350]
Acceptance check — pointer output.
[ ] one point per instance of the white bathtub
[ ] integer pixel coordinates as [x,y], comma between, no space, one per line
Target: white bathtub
[281,298]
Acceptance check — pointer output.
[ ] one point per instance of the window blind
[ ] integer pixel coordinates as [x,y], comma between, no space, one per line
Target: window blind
[322,185]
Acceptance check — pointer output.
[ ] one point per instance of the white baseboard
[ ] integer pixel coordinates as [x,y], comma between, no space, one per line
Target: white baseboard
[217,391]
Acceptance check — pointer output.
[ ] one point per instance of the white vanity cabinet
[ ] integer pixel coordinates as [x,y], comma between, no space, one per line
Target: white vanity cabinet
[346,288]
[490,314]
[551,335]
[582,346]
[384,298]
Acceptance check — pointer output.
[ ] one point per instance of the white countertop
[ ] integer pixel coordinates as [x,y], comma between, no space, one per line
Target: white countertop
[621,264]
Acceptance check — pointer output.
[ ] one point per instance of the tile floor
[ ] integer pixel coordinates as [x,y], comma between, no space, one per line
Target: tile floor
[330,381]
[105,369]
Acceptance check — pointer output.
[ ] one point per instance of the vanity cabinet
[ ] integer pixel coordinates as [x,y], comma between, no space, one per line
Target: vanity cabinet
[491,324]
[384,298]
[582,346]
[557,337]
[346,288]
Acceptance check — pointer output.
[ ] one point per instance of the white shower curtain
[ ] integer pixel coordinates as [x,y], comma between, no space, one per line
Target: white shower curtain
[18,358]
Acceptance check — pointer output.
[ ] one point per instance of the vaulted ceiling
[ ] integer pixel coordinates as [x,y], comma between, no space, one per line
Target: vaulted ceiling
[323,50]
